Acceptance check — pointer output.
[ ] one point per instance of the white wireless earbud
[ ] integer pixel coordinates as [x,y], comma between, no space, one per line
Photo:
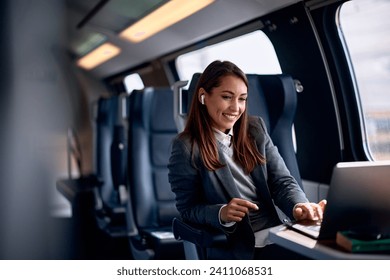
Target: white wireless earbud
[202,99]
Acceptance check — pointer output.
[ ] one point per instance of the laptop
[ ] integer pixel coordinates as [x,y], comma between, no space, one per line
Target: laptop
[358,201]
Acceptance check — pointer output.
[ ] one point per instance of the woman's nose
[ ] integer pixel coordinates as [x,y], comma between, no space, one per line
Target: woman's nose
[234,105]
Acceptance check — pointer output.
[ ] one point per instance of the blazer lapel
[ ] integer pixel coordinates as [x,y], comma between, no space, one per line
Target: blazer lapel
[258,176]
[225,177]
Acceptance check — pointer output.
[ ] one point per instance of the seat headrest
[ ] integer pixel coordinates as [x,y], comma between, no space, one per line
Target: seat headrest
[161,104]
[192,88]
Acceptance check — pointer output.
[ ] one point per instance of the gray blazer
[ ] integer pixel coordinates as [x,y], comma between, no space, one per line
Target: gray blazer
[200,193]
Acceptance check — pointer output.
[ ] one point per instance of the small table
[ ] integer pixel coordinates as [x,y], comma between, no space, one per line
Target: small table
[314,249]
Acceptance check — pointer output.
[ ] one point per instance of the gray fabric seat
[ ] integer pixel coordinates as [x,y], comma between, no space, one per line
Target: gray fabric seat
[151,205]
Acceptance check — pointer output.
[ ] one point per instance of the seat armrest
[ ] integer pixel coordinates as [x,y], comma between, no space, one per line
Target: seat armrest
[72,188]
[200,235]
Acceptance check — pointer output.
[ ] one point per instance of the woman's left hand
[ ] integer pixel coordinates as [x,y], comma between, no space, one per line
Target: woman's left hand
[309,211]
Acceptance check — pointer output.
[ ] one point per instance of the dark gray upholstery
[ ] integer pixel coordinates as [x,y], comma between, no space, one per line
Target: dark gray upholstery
[110,159]
[110,148]
[152,203]
[97,199]
[280,102]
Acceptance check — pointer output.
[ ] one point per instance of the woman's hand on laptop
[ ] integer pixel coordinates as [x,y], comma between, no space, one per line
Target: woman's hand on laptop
[309,211]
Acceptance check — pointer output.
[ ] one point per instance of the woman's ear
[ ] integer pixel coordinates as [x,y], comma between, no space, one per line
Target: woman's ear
[201,95]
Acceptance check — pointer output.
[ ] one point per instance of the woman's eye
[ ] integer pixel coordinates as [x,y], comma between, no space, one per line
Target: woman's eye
[243,99]
[226,97]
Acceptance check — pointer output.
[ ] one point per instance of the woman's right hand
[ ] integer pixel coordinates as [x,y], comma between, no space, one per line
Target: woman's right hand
[236,210]
[309,211]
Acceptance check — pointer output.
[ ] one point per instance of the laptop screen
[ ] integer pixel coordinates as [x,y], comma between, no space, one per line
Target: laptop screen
[358,199]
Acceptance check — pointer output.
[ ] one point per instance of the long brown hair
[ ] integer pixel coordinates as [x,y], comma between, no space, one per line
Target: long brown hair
[199,127]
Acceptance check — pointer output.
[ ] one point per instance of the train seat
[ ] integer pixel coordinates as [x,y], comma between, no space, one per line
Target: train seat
[110,160]
[272,97]
[151,205]
[100,197]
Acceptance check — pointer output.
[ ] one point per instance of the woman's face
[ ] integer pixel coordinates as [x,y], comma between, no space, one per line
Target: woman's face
[226,103]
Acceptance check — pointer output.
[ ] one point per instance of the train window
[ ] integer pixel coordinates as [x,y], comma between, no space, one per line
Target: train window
[253,53]
[364,26]
[132,82]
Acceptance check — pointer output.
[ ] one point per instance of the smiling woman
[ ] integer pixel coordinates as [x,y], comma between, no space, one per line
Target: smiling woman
[226,102]
[317,68]
[216,170]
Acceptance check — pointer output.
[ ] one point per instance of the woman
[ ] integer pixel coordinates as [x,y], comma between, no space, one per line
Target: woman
[226,172]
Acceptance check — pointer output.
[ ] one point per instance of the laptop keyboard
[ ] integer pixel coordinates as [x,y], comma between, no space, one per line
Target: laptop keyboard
[311,229]
[315,228]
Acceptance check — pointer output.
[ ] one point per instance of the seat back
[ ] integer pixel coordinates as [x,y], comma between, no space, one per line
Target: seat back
[152,202]
[110,160]
[97,199]
[277,106]
[110,147]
